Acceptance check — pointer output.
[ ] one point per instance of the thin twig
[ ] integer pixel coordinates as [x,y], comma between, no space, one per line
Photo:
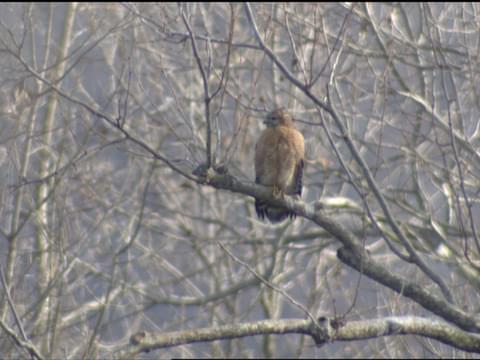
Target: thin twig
[269,284]
[27,345]
[206,96]
[104,117]
[11,304]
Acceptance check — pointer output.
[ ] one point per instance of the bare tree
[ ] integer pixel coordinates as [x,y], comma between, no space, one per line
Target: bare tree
[126,157]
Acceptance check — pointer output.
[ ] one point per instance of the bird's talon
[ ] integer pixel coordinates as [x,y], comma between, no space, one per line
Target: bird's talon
[277,192]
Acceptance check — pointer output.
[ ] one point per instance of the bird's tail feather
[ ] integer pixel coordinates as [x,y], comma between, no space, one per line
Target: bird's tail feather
[272,213]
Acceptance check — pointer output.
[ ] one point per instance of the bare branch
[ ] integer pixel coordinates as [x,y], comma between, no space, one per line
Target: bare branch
[353,251]
[27,345]
[351,330]
[206,91]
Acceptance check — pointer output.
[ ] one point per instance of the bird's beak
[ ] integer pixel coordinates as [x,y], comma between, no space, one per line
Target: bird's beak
[268,121]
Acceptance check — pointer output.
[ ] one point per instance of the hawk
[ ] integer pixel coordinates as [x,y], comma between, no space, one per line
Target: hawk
[279,157]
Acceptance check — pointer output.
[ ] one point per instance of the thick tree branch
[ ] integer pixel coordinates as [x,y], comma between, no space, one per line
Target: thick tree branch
[163,340]
[352,330]
[375,271]
[353,252]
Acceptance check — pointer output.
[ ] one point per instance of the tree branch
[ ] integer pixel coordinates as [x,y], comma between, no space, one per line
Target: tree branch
[206,96]
[27,345]
[352,330]
[353,252]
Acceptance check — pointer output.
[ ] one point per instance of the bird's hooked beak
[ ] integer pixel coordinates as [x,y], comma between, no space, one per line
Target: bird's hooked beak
[269,121]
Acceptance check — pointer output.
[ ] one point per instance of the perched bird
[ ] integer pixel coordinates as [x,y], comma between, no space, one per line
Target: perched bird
[279,154]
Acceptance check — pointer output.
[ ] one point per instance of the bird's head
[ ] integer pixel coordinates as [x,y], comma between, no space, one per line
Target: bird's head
[278,117]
